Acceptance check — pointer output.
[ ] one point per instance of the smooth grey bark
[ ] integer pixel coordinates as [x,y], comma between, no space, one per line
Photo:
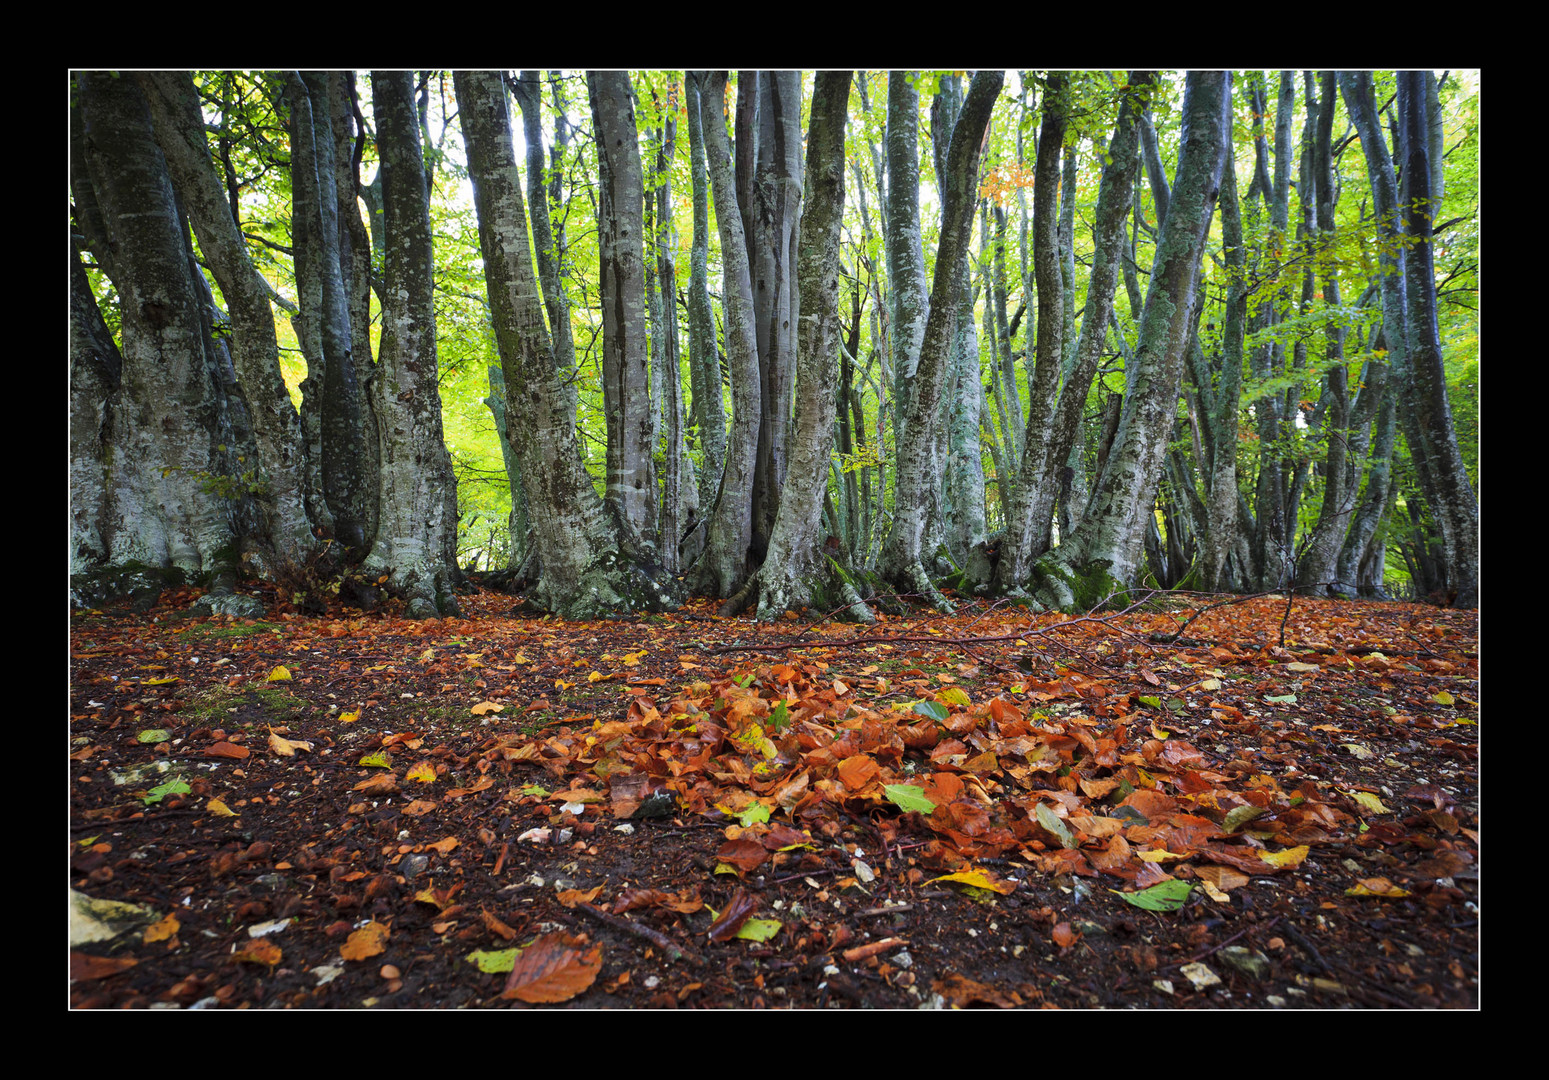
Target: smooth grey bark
[1274,518]
[775,215]
[1221,392]
[590,565]
[162,459]
[680,497]
[1113,205]
[416,535]
[631,481]
[1453,504]
[958,444]
[331,397]
[95,371]
[543,193]
[793,570]
[905,253]
[723,565]
[707,405]
[1108,542]
[517,521]
[278,488]
[917,478]
[1032,503]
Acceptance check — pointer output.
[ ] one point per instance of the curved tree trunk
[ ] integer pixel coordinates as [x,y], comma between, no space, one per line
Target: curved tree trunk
[279,484]
[798,568]
[1107,545]
[723,565]
[161,506]
[591,564]
[917,475]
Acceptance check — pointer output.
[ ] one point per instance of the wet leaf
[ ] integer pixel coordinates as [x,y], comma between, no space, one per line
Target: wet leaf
[553,968]
[370,940]
[1168,896]
[909,797]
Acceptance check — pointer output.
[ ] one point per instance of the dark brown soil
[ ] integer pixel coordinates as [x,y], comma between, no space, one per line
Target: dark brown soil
[1371,768]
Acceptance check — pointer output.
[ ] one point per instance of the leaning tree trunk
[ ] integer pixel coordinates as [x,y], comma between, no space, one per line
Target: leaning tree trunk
[279,480]
[164,460]
[704,363]
[723,565]
[1455,508]
[590,566]
[917,476]
[1106,546]
[416,536]
[798,569]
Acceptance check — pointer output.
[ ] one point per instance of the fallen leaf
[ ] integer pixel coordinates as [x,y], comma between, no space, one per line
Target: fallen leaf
[552,969]
[279,674]
[370,940]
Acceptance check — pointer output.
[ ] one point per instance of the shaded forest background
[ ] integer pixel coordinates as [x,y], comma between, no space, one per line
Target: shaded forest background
[781,338]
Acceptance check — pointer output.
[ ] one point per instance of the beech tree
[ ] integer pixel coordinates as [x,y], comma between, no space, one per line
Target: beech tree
[590,561]
[773,409]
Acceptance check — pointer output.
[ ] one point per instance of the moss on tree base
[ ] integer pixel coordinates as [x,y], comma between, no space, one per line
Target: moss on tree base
[1076,590]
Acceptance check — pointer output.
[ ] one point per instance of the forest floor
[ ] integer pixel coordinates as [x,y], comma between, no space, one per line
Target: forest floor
[1278,810]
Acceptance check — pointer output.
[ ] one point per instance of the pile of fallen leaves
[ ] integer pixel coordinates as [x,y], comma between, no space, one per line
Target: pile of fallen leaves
[420,803]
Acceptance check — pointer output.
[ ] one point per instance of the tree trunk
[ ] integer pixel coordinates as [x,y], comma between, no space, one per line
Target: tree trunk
[590,566]
[723,565]
[631,485]
[1107,545]
[917,475]
[326,335]
[416,539]
[163,458]
[279,483]
[799,568]
[704,362]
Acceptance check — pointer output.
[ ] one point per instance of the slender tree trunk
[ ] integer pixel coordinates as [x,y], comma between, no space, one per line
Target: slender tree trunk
[416,540]
[1455,508]
[723,565]
[703,356]
[917,477]
[793,570]
[589,568]
[626,363]
[1107,545]
[326,335]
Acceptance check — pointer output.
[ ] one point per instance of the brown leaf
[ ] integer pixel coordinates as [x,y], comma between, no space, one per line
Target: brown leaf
[552,969]
[381,784]
[743,853]
[742,905]
[84,966]
[262,951]
[227,750]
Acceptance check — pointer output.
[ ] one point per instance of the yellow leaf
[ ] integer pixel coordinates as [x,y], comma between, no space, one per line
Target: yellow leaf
[952,695]
[424,772]
[1287,859]
[286,747]
[1441,697]
[279,674]
[1377,886]
[1158,856]
[1214,893]
[593,676]
[349,717]
[160,682]
[262,951]
[1369,802]
[163,930]
[485,707]
[979,879]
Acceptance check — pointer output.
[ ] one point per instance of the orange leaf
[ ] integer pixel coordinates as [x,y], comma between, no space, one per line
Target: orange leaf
[370,940]
[262,951]
[1065,935]
[227,750]
[552,969]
